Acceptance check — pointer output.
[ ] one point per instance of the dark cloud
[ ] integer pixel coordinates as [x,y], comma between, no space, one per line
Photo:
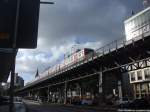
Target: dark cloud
[99,19]
[87,21]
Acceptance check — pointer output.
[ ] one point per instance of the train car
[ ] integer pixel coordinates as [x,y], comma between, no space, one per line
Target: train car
[138,25]
[61,65]
[77,56]
[45,73]
[73,58]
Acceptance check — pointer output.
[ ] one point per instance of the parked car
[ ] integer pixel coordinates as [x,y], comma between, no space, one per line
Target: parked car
[139,104]
[18,99]
[123,102]
[4,100]
[87,102]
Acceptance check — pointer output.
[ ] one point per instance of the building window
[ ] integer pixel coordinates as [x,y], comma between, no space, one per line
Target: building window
[139,75]
[147,73]
[137,88]
[132,76]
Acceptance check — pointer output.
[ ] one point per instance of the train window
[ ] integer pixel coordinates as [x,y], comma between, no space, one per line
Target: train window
[72,58]
[132,24]
[140,31]
[144,29]
[80,54]
[136,22]
[147,73]
[146,16]
[142,19]
[139,21]
[139,75]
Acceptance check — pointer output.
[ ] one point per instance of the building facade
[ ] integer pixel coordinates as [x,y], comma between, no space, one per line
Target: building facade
[18,82]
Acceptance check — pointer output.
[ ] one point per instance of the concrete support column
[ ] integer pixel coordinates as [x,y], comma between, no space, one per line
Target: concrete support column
[65,93]
[101,91]
[55,96]
[45,94]
[119,90]
[32,94]
[36,95]
[61,95]
[70,96]
[79,90]
[29,94]
[100,82]
[39,95]
[48,94]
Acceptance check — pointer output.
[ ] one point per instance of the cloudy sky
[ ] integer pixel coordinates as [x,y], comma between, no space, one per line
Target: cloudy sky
[88,23]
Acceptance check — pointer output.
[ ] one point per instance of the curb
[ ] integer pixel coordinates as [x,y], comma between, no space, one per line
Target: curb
[93,108]
[110,109]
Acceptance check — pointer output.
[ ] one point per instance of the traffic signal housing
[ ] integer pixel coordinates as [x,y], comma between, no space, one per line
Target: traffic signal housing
[27,23]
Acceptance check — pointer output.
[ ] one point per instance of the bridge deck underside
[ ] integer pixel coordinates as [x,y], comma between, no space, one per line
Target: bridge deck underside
[108,62]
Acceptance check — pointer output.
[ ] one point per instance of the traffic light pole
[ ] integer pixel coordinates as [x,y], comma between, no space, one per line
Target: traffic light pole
[11,106]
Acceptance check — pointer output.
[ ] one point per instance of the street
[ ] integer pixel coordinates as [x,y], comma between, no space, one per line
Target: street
[36,107]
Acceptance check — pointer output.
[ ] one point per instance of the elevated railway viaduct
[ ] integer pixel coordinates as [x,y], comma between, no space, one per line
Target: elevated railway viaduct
[99,76]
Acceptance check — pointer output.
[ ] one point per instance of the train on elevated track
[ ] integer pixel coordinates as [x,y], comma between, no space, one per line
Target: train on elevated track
[70,59]
[136,26]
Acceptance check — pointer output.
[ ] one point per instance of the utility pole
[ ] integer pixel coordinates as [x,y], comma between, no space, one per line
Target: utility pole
[11,108]
[15,50]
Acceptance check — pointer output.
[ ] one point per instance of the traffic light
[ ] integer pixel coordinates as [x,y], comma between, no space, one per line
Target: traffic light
[27,23]
[7,22]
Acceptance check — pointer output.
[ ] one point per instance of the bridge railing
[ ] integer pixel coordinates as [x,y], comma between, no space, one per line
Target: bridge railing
[114,45]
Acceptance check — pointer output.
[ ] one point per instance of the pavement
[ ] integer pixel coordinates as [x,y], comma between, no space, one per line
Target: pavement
[132,110]
[4,108]
[35,106]
[18,107]
[38,107]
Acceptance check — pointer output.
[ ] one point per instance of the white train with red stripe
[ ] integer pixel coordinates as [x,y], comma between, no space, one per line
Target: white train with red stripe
[72,58]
